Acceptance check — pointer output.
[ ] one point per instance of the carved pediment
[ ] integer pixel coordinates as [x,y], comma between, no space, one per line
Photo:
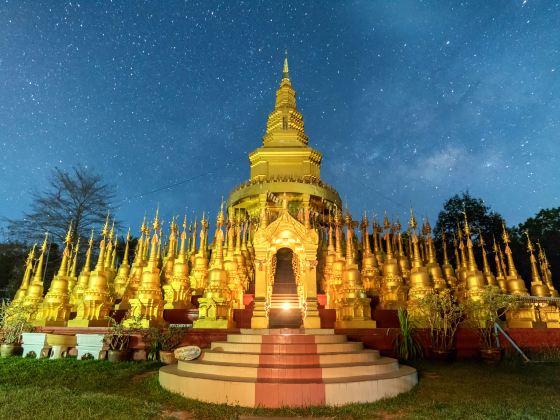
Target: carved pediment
[287,232]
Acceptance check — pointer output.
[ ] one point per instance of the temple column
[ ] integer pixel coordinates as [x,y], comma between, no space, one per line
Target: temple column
[312,319]
[260,316]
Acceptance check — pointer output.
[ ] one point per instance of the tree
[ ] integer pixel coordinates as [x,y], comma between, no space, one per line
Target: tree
[543,228]
[79,196]
[480,216]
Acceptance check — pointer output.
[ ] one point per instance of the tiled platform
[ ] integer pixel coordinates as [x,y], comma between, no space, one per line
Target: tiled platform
[276,368]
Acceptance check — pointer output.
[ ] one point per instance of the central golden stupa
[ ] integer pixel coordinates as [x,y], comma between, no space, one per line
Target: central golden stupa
[285,164]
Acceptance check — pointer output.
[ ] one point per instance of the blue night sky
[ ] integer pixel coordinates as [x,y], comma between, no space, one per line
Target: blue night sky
[410,102]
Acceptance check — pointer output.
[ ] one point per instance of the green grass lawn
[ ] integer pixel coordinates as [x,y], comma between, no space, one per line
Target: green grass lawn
[59,389]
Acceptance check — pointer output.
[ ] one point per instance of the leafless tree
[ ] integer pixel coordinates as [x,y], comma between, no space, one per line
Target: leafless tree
[79,196]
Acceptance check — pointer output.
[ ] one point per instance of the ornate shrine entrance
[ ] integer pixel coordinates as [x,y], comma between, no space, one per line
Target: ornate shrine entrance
[285,309]
[285,274]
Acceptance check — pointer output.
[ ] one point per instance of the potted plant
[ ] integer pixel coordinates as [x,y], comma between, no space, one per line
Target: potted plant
[13,322]
[483,314]
[117,339]
[162,342]
[406,344]
[442,313]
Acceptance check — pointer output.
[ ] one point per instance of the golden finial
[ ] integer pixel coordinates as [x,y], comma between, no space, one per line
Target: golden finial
[112,231]
[128,237]
[386,223]
[143,227]
[220,218]
[428,227]
[412,221]
[91,238]
[105,230]
[68,238]
[467,227]
[530,246]
[481,242]
[286,71]
[505,235]
[185,224]
[44,246]
[459,232]
[156,225]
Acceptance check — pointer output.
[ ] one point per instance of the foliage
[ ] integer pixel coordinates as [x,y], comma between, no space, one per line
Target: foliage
[79,196]
[442,313]
[163,340]
[12,267]
[484,313]
[543,228]
[406,344]
[118,336]
[13,322]
[480,216]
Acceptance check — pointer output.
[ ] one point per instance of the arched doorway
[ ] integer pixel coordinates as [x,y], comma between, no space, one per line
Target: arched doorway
[285,311]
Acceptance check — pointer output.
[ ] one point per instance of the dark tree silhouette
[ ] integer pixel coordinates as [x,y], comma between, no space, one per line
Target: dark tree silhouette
[543,228]
[480,216]
[79,196]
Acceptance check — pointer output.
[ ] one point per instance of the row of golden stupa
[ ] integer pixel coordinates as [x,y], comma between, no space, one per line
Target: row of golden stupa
[284,205]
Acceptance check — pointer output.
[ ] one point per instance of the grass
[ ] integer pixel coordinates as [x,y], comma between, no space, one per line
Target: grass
[67,388]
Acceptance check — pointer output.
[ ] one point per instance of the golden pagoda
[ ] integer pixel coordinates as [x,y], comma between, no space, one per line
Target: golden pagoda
[146,307]
[447,268]
[215,305]
[393,290]
[83,278]
[199,274]
[474,279]
[420,282]
[177,291]
[352,306]
[55,308]
[432,265]
[121,279]
[371,276]
[34,294]
[22,290]
[94,307]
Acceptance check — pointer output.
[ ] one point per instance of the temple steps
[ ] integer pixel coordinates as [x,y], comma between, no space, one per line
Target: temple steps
[295,368]
[286,339]
[291,359]
[295,372]
[321,348]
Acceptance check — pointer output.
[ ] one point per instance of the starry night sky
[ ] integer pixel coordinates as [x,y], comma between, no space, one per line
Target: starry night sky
[410,102]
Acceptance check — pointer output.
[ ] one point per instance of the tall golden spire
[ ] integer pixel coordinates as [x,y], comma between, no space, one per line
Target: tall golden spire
[62,271]
[38,275]
[126,248]
[75,258]
[546,273]
[338,244]
[416,258]
[471,262]
[446,266]
[177,291]
[488,275]
[538,288]
[286,72]
[122,276]
[20,294]
[285,124]
[515,283]
[87,265]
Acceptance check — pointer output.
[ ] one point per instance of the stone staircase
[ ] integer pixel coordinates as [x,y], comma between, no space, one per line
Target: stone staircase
[288,368]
